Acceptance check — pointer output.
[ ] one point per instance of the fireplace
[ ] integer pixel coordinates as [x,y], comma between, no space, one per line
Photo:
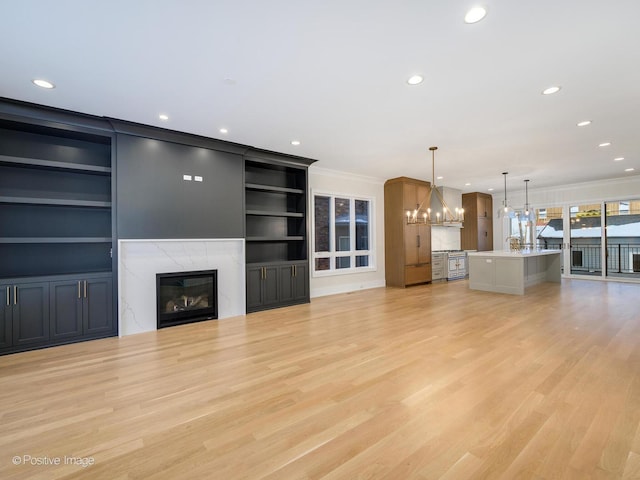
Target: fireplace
[186,297]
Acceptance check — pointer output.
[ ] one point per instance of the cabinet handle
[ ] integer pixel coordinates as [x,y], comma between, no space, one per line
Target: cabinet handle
[418,240]
[78,288]
[15,294]
[263,275]
[85,289]
[8,296]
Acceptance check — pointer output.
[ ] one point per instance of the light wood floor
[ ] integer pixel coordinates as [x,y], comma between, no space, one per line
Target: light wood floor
[431,382]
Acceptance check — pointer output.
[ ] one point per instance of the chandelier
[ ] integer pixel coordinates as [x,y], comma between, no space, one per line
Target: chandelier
[444,217]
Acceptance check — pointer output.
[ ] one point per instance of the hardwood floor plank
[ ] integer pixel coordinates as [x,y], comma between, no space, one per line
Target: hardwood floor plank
[429,382]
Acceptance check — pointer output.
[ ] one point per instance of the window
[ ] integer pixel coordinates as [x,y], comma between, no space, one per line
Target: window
[342,227]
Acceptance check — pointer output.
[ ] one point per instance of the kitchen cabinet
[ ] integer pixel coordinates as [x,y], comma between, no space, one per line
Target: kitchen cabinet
[262,287]
[294,282]
[277,285]
[407,245]
[25,314]
[438,267]
[477,233]
[53,310]
[81,307]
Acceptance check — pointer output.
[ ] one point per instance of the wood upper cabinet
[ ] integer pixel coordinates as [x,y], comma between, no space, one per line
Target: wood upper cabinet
[415,196]
[407,246]
[477,233]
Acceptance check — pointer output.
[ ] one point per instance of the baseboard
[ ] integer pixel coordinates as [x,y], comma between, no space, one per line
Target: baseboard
[346,288]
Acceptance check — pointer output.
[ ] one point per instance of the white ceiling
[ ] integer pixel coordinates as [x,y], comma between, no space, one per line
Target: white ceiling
[332,74]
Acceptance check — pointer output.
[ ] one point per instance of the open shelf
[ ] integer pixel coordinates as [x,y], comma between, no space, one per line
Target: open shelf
[54,164]
[55,201]
[271,188]
[55,239]
[267,213]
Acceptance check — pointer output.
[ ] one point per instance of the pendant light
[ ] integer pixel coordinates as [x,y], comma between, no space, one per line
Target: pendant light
[526,196]
[507,211]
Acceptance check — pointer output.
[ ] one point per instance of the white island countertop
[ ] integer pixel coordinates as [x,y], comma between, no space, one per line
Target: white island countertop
[514,254]
[504,271]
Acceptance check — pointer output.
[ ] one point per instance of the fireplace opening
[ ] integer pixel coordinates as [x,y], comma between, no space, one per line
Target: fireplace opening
[186,297]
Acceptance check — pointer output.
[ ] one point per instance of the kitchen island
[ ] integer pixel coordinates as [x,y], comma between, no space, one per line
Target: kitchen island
[504,271]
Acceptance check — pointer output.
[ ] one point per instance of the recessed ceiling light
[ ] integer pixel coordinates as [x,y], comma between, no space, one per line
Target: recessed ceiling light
[43,83]
[475,15]
[295,142]
[439,178]
[604,144]
[415,80]
[618,159]
[163,117]
[584,123]
[551,90]
[491,189]
[629,169]
[467,184]
[224,130]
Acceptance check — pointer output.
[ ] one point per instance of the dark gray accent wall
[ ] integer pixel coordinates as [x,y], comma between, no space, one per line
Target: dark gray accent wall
[154,201]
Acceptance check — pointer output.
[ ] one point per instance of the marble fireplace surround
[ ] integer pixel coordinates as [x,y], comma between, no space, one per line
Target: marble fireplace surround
[140,260]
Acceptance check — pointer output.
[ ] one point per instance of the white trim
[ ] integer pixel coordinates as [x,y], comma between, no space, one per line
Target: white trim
[347,288]
[347,176]
[352,253]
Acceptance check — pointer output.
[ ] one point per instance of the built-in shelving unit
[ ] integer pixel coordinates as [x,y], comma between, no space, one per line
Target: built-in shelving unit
[56,239]
[276,234]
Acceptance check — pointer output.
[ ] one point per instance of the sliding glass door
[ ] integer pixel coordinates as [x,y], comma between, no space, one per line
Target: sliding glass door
[549,230]
[622,237]
[585,239]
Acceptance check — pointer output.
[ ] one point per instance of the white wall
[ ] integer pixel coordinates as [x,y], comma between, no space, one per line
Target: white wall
[331,181]
[627,188]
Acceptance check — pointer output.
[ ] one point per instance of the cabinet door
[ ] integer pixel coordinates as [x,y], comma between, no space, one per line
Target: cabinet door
[271,285]
[287,286]
[415,195]
[424,244]
[6,316]
[254,287]
[411,235]
[293,282]
[31,313]
[485,205]
[66,309]
[97,312]
[485,234]
[301,281]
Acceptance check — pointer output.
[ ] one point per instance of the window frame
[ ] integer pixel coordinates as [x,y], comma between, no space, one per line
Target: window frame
[352,253]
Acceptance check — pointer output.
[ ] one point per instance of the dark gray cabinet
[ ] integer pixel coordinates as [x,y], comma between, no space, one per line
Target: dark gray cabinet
[25,314]
[277,285]
[276,232]
[294,282]
[57,220]
[56,310]
[262,287]
[6,317]
[81,307]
